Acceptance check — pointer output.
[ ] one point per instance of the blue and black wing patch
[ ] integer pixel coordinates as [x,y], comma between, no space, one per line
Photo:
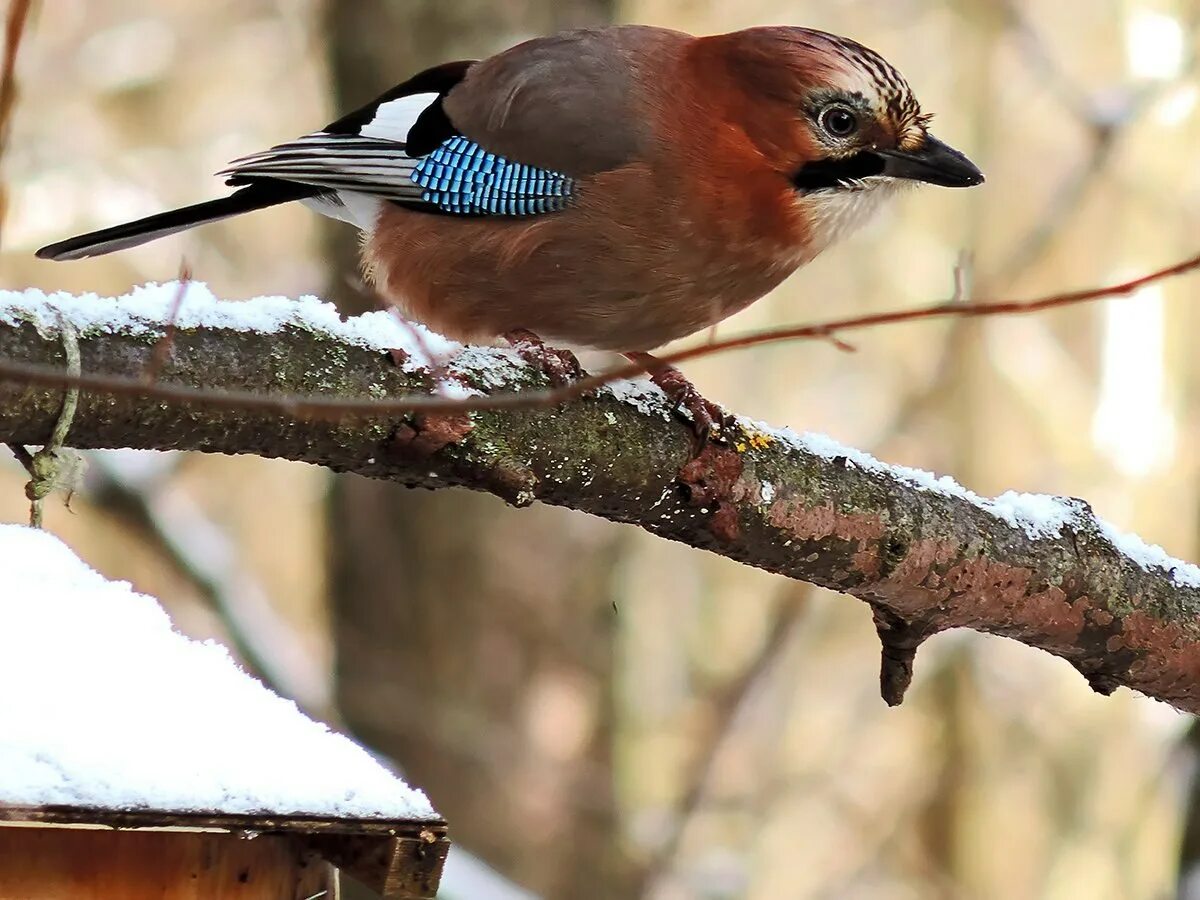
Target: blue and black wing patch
[403,148]
[462,177]
[458,177]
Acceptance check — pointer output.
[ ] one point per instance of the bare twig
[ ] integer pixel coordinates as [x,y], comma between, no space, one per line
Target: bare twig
[331,408]
[162,349]
[54,466]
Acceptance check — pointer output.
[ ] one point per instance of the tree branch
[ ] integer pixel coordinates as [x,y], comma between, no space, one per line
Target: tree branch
[336,408]
[926,554]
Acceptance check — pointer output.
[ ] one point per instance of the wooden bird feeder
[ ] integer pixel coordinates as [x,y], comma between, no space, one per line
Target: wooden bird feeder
[75,853]
[136,764]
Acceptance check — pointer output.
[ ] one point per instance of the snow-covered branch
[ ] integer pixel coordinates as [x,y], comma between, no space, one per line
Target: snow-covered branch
[925,553]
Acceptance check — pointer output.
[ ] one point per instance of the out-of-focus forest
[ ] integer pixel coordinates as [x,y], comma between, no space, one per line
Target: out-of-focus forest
[601,714]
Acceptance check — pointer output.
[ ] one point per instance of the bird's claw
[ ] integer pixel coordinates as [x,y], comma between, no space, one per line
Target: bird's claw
[705,416]
[560,366]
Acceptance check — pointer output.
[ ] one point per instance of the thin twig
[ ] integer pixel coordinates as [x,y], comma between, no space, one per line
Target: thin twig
[51,466]
[70,339]
[330,408]
[837,342]
[162,349]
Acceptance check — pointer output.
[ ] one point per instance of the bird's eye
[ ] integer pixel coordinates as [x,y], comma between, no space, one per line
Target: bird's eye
[839,121]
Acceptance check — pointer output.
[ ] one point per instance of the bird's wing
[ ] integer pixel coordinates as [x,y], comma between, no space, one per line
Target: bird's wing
[509,136]
[569,102]
[458,176]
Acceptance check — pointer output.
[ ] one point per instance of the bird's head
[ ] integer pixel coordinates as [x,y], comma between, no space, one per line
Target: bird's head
[835,116]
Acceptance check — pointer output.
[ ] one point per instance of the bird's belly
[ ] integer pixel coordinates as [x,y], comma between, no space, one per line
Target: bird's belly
[475,280]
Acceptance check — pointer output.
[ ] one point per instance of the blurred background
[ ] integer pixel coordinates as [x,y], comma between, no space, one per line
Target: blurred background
[599,713]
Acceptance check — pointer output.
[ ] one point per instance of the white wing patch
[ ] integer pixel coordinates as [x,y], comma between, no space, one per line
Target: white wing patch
[372,163]
[360,210]
[359,170]
[395,119]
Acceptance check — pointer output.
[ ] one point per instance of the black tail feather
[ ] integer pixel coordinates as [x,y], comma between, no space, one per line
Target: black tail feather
[120,237]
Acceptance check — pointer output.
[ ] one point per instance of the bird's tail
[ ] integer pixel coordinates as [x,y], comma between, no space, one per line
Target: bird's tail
[258,195]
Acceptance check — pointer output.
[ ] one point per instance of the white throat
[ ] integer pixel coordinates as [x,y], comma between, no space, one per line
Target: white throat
[832,215]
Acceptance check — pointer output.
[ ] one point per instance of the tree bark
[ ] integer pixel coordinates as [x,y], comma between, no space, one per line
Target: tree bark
[453,613]
[924,557]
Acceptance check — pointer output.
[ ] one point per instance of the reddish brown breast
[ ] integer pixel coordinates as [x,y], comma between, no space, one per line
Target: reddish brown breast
[699,226]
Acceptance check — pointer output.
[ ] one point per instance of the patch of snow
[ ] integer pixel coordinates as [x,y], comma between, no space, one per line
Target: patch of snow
[104,705]
[145,309]
[643,395]
[1151,556]
[494,367]
[1037,515]
[826,447]
[453,389]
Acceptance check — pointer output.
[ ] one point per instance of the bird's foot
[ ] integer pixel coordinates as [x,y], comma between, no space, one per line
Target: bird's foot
[561,366]
[706,416]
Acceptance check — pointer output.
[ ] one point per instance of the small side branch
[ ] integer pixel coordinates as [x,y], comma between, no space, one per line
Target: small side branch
[55,466]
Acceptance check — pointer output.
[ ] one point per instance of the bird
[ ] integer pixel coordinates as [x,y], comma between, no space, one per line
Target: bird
[613,188]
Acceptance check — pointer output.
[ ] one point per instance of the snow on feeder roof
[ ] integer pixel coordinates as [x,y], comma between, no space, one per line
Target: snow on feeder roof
[110,717]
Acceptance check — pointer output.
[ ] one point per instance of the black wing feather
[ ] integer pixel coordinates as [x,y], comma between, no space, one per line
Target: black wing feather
[258,195]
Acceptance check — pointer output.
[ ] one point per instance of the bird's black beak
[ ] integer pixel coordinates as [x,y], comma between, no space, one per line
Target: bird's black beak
[934,163]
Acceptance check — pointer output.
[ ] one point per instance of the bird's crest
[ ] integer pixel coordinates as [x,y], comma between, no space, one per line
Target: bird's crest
[880,79]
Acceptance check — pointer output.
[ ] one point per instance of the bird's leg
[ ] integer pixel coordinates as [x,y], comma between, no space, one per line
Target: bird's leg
[560,366]
[705,414]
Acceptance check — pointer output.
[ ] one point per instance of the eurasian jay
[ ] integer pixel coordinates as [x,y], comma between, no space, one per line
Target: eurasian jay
[613,188]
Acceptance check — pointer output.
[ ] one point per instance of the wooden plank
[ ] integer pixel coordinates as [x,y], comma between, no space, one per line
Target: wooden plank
[80,864]
[151,819]
[395,868]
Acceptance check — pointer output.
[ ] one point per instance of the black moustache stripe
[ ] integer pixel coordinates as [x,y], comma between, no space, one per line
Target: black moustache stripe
[830,173]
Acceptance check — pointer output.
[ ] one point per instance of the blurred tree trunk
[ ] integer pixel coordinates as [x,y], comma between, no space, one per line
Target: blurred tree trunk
[475,642]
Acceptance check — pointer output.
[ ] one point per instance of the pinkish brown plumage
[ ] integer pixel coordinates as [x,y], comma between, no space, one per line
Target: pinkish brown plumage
[686,211]
[613,188]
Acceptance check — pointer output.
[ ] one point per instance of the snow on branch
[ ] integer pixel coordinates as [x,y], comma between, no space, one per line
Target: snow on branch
[925,553]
